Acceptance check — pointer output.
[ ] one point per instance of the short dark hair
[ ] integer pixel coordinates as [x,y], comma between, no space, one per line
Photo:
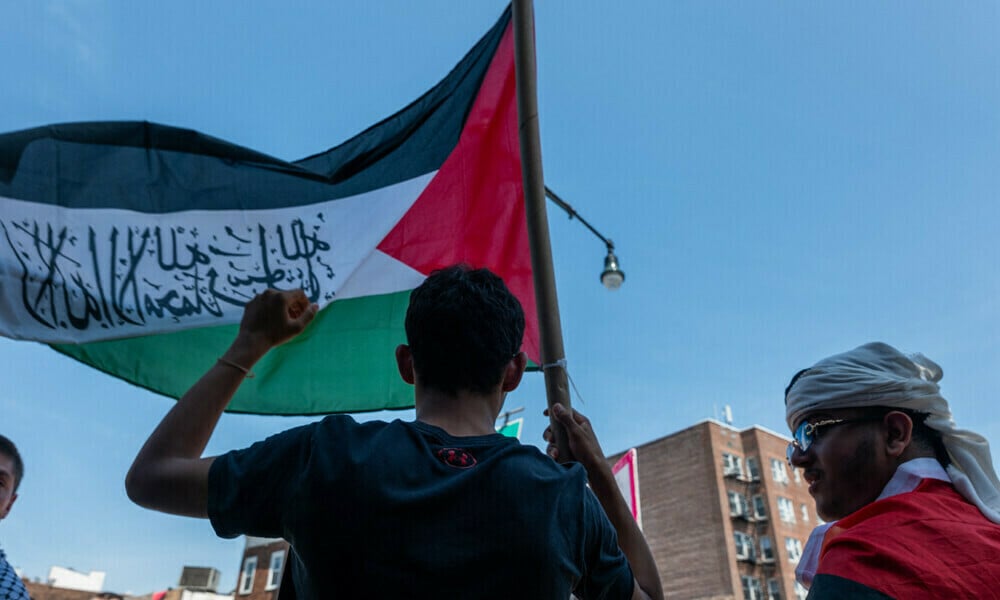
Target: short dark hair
[8,448]
[463,325]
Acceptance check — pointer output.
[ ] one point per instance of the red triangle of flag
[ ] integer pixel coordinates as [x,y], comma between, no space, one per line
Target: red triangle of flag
[473,210]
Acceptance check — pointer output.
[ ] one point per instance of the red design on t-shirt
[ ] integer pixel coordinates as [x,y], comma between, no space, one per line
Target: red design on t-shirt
[456,457]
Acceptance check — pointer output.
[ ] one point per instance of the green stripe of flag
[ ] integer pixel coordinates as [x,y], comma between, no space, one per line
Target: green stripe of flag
[354,361]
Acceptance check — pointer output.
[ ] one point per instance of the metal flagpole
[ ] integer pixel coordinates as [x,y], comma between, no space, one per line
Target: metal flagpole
[549,327]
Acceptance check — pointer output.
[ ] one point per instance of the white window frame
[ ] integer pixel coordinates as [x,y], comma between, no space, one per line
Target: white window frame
[759,508]
[766,550]
[737,504]
[744,546]
[794,548]
[804,509]
[753,468]
[274,574]
[751,588]
[778,471]
[732,464]
[773,589]
[786,509]
[800,591]
[246,583]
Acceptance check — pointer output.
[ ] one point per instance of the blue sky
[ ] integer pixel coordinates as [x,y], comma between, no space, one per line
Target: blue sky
[783,181]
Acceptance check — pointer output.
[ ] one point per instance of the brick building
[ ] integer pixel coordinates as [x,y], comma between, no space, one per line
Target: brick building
[724,515]
[261,569]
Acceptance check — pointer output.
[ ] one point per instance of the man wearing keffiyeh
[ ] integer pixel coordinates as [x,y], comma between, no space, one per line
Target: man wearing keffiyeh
[913,501]
[11,473]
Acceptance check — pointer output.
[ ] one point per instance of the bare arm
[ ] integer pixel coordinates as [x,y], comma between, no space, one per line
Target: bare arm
[587,450]
[169,473]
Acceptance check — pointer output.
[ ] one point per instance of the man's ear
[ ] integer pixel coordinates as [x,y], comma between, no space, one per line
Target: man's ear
[513,372]
[899,432]
[404,362]
[6,509]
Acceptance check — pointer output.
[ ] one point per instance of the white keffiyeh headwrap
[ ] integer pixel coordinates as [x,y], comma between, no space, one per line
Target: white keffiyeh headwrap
[877,374]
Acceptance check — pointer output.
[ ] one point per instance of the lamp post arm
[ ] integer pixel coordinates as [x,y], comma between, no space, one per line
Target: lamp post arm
[575,215]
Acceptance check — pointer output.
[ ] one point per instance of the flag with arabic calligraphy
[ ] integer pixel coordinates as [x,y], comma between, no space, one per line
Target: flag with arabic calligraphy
[132,246]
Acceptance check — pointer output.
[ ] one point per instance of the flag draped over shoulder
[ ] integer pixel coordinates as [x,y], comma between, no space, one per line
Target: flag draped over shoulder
[132,246]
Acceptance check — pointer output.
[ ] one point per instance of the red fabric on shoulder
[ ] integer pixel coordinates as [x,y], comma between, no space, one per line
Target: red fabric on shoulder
[928,543]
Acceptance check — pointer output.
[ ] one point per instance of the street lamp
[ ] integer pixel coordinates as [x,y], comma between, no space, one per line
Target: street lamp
[612,276]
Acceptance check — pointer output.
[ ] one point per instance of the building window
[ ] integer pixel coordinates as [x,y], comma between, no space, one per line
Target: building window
[800,591]
[778,471]
[786,510]
[274,573]
[737,504]
[766,550]
[805,513]
[759,508]
[753,467]
[732,465]
[794,549]
[744,546]
[751,588]
[798,477]
[773,589]
[246,577]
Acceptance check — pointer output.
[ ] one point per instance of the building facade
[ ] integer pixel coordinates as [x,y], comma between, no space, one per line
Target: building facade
[724,514]
[261,569]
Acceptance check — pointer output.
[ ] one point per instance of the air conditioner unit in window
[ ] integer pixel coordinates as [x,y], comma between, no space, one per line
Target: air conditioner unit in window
[200,578]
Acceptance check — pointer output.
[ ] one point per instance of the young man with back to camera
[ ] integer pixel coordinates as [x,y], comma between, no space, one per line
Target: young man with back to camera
[441,507]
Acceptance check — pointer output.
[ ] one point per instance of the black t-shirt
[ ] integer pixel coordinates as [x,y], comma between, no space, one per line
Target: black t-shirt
[405,510]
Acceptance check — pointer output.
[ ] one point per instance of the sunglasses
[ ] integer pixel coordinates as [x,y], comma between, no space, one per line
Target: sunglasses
[807,433]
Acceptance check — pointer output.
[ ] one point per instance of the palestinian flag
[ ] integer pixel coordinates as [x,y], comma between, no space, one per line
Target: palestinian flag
[133,247]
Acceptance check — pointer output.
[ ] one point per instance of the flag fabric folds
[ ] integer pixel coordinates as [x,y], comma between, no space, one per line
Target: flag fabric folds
[132,247]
